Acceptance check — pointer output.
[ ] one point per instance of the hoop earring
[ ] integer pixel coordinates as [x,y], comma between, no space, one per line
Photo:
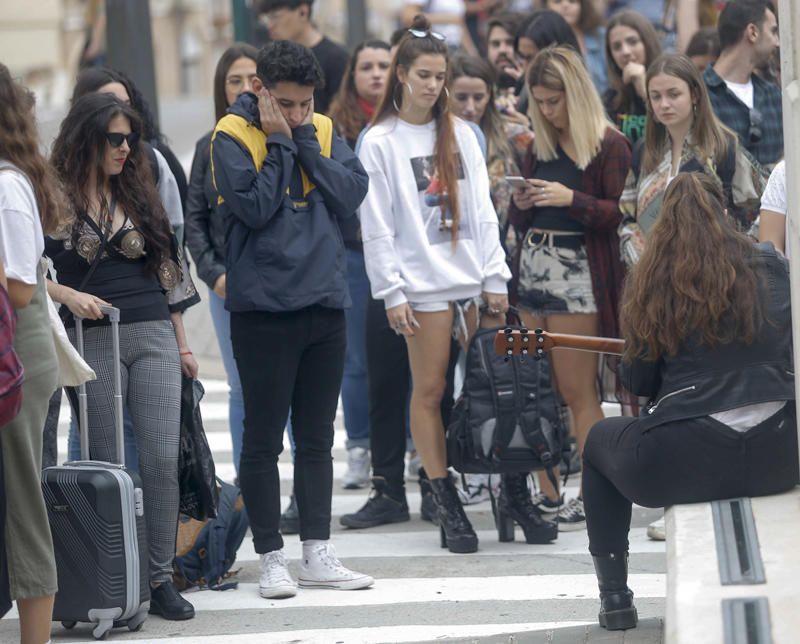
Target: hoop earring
[446,100]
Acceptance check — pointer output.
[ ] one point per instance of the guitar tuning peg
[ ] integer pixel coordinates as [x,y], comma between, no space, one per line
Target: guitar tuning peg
[524,339]
[510,339]
[508,330]
[523,330]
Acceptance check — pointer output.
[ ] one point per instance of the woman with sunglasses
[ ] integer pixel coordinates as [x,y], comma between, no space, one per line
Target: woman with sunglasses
[682,135]
[568,271]
[631,45]
[205,228]
[430,240]
[120,250]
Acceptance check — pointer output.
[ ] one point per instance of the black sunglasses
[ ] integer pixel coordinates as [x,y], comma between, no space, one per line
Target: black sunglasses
[115,139]
[754,133]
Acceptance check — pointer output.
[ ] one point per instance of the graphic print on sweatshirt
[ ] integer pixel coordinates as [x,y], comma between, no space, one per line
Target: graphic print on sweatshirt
[434,202]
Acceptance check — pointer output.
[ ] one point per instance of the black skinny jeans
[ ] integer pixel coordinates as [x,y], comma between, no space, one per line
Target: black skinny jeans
[389,386]
[690,461]
[293,359]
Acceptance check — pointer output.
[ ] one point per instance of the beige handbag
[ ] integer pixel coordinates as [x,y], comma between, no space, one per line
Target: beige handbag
[72,369]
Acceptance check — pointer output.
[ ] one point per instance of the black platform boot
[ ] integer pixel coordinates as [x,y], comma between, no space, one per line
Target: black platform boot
[617,612]
[454,527]
[515,505]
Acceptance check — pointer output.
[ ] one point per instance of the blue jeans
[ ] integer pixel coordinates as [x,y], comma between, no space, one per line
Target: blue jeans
[354,382]
[131,454]
[222,325]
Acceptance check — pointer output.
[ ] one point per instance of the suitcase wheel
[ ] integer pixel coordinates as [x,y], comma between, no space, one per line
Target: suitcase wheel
[102,629]
[68,625]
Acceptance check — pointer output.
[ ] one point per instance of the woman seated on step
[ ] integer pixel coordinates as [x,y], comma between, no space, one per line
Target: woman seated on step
[706,319]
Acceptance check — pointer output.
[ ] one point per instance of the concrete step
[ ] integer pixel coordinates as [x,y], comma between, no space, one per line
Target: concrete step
[695,593]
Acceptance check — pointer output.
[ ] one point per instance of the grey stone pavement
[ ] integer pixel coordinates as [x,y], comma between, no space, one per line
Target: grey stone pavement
[505,593]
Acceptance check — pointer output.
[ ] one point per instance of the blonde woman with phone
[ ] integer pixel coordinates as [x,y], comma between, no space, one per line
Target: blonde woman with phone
[568,271]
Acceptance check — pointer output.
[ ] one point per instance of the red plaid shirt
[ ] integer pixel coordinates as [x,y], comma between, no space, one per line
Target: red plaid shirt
[596,206]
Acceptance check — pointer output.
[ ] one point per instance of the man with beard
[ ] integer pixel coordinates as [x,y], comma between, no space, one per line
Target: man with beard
[501,38]
[745,102]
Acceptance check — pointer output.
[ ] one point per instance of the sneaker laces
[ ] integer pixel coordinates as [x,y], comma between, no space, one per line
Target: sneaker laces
[326,555]
[274,566]
[572,510]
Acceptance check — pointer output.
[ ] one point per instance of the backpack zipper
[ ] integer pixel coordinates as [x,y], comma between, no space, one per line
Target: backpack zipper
[670,395]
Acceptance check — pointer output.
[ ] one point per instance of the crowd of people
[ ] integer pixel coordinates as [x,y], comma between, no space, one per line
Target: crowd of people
[596,164]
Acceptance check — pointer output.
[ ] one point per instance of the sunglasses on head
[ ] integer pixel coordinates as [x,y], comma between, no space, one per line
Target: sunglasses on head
[116,139]
[419,33]
[754,133]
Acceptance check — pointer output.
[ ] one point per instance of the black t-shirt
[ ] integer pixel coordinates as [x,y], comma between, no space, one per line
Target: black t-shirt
[563,170]
[630,119]
[122,281]
[332,58]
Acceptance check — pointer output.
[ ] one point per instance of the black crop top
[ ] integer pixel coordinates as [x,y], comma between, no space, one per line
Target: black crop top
[121,277]
[563,170]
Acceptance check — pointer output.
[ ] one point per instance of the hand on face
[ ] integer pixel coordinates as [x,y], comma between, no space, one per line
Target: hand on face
[272,119]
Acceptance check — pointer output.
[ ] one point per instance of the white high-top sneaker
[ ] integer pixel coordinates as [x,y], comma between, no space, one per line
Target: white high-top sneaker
[275,581]
[321,569]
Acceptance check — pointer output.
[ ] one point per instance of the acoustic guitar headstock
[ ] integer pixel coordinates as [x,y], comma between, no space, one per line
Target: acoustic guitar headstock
[521,342]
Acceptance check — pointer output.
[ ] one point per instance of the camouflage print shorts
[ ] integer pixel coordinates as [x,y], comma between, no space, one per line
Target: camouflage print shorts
[555,280]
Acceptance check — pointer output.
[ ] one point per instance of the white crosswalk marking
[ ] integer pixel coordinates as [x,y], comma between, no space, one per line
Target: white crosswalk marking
[422,592]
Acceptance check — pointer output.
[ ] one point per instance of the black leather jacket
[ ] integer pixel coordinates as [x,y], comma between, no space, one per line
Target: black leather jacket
[204,228]
[702,380]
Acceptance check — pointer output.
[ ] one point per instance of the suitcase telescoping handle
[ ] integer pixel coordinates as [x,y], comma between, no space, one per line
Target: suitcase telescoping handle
[83,412]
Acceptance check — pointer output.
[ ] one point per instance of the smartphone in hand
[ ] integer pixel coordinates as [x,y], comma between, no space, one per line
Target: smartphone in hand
[518,183]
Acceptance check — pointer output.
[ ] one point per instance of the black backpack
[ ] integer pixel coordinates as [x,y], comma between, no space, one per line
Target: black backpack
[508,417]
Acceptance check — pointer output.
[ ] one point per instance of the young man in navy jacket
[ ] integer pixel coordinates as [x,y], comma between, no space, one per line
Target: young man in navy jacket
[284,178]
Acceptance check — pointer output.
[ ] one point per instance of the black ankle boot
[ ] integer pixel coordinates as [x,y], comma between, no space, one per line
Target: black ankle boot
[617,612]
[515,505]
[454,527]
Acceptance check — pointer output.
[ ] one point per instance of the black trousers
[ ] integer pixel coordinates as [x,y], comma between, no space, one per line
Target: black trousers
[690,461]
[293,359]
[389,386]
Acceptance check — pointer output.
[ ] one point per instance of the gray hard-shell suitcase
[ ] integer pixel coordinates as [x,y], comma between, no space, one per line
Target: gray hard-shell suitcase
[96,516]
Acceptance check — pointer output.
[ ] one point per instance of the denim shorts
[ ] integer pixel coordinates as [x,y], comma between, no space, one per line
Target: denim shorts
[555,280]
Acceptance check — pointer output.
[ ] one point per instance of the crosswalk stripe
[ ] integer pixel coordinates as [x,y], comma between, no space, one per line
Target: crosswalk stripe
[369,635]
[373,543]
[429,589]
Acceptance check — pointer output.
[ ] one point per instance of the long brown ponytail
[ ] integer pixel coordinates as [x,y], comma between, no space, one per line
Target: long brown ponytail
[445,151]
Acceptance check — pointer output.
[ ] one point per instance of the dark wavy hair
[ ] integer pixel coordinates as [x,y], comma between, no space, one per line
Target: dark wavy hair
[695,278]
[19,144]
[229,56]
[445,150]
[78,153]
[284,60]
[93,78]
[345,111]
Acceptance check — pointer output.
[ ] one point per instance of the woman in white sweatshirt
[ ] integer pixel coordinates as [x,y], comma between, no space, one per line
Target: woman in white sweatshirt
[431,239]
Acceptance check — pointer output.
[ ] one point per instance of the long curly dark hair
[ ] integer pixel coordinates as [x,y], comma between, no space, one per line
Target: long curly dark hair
[77,156]
[695,278]
[19,144]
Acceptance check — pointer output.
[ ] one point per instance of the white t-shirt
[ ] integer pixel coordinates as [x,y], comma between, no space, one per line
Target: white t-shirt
[453,33]
[409,255]
[743,91]
[21,235]
[774,198]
